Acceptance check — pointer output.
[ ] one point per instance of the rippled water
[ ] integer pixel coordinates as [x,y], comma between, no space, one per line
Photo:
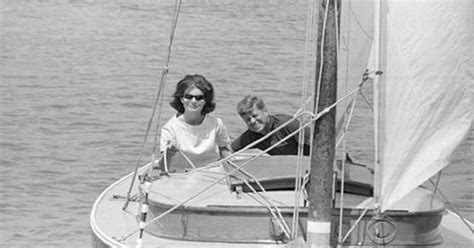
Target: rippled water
[78,80]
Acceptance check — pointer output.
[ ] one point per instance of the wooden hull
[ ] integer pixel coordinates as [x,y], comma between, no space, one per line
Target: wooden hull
[222,218]
[257,226]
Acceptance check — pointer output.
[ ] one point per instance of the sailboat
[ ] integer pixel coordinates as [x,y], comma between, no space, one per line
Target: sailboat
[418,59]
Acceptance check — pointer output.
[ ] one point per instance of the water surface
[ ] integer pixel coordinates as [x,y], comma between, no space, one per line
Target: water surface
[78,80]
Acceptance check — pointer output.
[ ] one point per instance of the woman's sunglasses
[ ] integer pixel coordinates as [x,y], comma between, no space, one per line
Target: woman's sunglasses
[197,97]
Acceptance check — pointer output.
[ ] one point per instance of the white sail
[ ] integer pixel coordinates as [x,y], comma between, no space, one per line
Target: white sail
[425,109]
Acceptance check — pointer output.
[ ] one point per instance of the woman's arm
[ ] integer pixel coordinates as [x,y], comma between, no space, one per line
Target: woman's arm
[222,139]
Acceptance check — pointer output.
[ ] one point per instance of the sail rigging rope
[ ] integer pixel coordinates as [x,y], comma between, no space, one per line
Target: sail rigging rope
[157,97]
[261,198]
[218,180]
[187,159]
[323,35]
[154,154]
[251,145]
[309,50]
[343,166]
[359,87]
[366,100]
[313,118]
[365,32]
[343,171]
[299,113]
[336,24]
[280,220]
[453,208]
[354,225]
[342,138]
[438,178]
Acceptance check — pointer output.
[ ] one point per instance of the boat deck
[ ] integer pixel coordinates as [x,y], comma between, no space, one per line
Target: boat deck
[110,223]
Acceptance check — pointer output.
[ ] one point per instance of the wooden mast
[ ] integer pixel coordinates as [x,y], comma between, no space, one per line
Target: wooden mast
[323,153]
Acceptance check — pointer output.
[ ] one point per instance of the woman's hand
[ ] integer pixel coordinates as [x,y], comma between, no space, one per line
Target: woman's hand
[224,151]
[171,150]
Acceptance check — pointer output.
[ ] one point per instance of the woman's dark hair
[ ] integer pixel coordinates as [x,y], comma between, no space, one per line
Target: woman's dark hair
[194,81]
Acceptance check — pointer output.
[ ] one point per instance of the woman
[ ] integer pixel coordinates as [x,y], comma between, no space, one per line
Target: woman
[201,137]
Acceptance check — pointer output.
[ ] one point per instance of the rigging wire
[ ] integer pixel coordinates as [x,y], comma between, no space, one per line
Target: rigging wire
[359,87]
[343,172]
[366,100]
[312,118]
[358,22]
[453,208]
[251,145]
[157,131]
[158,93]
[355,224]
[438,178]
[323,35]
[342,139]
[343,169]
[307,79]
[280,219]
